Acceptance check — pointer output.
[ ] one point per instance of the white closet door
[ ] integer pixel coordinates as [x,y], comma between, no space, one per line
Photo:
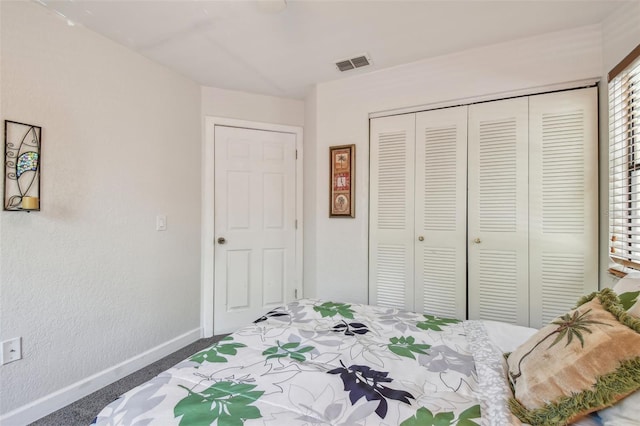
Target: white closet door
[391,232]
[441,212]
[498,210]
[563,228]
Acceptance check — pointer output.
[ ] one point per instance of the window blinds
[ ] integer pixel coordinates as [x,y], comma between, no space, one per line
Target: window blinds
[624,162]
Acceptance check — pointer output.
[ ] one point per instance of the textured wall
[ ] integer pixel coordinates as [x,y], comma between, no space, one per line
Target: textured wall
[88,282]
[312,160]
[620,34]
[252,107]
[343,107]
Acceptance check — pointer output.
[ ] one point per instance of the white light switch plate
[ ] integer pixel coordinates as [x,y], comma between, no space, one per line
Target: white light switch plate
[161,222]
[11,350]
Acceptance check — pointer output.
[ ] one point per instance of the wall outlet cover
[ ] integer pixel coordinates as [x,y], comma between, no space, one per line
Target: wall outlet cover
[11,350]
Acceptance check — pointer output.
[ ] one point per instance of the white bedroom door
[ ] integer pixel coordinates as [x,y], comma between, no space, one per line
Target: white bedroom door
[563,238]
[255,224]
[391,220]
[441,212]
[498,250]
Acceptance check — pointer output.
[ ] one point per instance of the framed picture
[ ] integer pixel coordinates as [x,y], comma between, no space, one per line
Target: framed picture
[342,174]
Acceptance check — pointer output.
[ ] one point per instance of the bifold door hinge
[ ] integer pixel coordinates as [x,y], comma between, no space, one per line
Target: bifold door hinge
[295,293]
[296,223]
[296,154]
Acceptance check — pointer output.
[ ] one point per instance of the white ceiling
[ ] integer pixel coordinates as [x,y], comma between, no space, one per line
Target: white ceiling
[241,46]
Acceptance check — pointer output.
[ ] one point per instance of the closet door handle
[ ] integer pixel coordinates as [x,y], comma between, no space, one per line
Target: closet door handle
[477,241]
[420,238]
[221,240]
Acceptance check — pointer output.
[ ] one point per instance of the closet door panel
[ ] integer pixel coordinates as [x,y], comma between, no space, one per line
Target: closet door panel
[391,242]
[498,211]
[563,228]
[441,212]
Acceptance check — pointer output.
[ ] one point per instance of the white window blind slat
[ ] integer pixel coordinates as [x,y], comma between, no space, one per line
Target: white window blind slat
[624,164]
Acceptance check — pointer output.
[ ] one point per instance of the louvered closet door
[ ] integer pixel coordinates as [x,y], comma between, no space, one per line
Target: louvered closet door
[563,229]
[498,208]
[441,212]
[391,242]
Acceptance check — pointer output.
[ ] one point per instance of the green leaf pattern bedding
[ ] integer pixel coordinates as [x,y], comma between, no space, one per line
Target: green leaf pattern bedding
[325,363]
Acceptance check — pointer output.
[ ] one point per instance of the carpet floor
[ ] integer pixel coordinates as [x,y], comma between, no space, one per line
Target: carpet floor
[85,410]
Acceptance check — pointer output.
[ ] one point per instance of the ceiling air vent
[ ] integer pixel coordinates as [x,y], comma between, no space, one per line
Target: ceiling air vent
[357,62]
[345,65]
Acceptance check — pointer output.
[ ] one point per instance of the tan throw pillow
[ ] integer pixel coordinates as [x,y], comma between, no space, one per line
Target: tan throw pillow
[625,412]
[583,361]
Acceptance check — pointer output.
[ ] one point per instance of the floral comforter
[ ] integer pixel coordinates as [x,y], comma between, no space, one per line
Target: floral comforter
[325,363]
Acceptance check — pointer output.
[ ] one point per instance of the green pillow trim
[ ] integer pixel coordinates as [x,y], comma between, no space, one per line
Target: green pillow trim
[606,391]
[611,303]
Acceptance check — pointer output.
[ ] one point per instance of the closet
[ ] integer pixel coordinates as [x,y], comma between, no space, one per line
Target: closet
[486,211]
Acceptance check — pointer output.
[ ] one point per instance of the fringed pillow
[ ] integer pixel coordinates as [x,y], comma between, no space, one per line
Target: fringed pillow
[583,361]
[626,411]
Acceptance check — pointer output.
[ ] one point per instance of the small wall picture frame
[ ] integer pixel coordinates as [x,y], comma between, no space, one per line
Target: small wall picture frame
[342,185]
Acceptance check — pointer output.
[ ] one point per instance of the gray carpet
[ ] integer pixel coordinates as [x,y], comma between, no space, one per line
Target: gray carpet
[83,411]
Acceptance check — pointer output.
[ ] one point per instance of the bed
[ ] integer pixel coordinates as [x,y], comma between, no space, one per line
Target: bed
[315,362]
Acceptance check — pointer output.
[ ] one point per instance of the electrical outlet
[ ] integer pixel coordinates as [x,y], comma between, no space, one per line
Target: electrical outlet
[11,350]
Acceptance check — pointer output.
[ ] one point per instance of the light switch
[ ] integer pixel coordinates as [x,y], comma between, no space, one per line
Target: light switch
[161,222]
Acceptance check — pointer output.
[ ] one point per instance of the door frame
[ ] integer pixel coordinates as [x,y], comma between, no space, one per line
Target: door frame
[207,272]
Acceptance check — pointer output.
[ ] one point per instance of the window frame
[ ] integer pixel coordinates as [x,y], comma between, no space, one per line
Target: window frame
[624,104]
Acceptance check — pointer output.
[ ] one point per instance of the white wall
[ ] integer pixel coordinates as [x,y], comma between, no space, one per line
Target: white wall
[312,160]
[620,35]
[341,257]
[88,282]
[251,107]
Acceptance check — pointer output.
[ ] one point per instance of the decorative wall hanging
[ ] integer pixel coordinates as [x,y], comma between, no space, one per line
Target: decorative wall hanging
[21,166]
[343,162]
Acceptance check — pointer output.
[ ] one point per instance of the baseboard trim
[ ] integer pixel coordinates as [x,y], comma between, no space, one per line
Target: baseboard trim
[48,404]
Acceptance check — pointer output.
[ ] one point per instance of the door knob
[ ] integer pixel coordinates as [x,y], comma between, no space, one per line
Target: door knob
[221,240]
[477,241]
[420,238]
